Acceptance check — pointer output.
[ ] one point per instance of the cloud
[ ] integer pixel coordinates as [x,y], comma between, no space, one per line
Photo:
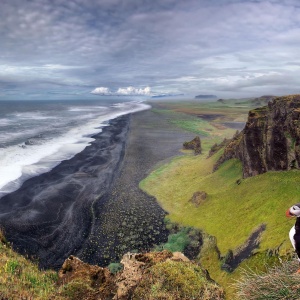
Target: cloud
[134,91]
[170,45]
[101,91]
[127,91]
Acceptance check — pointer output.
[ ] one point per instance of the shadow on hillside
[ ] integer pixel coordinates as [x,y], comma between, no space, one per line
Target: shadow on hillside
[232,260]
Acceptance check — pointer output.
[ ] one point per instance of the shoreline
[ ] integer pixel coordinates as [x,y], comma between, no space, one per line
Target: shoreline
[91,205]
[49,216]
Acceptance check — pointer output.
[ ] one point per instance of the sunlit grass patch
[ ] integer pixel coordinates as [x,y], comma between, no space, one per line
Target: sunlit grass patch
[21,279]
[177,280]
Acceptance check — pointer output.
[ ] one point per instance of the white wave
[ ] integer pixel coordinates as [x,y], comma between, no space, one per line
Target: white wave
[20,163]
[31,115]
[6,137]
[86,108]
[5,122]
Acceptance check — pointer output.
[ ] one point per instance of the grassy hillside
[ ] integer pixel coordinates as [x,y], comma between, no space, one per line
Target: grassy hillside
[257,200]
[234,207]
[21,279]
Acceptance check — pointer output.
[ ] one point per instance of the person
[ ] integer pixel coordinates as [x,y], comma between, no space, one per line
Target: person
[294,211]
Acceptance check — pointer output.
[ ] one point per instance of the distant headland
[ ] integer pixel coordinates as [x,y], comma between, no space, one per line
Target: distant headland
[206,97]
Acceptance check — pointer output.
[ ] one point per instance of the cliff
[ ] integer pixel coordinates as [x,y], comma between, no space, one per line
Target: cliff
[270,140]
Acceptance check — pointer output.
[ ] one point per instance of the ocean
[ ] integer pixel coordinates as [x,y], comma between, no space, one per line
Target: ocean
[35,136]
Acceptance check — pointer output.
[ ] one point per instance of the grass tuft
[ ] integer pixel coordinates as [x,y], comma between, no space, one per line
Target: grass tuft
[278,283]
[177,280]
[114,268]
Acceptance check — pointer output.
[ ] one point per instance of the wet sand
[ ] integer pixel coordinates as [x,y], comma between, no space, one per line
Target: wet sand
[90,205]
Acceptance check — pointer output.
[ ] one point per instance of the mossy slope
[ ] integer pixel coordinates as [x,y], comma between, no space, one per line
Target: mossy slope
[231,211]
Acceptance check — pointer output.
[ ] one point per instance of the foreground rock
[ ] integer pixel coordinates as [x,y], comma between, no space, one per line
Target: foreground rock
[154,275]
[270,140]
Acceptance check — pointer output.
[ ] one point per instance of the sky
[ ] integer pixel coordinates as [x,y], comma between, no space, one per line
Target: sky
[82,49]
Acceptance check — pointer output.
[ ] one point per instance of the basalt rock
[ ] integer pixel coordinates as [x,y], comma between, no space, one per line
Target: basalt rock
[270,140]
[194,144]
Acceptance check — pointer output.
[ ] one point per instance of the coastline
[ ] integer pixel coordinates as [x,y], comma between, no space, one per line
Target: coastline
[90,205]
[50,215]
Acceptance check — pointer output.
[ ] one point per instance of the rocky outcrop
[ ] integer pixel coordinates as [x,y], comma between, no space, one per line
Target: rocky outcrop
[134,269]
[198,198]
[270,140]
[138,279]
[96,282]
[194,144]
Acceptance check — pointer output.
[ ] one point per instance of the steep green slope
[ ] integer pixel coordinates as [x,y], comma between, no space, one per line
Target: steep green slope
[231,211]
[257,200]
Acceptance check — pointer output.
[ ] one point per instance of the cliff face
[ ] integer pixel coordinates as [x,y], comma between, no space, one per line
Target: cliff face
[270,140]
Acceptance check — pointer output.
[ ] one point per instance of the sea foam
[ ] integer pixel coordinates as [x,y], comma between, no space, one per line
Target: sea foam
[21,162]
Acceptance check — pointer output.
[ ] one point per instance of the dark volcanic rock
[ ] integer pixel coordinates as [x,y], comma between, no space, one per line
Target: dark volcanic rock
[194,144]
[270,140]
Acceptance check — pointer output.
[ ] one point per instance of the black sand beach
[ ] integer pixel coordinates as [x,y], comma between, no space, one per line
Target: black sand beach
[90,205]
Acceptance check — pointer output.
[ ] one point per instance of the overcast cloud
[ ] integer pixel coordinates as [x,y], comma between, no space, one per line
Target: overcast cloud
[84,48]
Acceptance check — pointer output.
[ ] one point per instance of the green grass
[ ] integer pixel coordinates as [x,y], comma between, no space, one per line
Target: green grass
[187,122]
[114,268]
[177,280]
[21,279]
[257,200]
[195,126]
